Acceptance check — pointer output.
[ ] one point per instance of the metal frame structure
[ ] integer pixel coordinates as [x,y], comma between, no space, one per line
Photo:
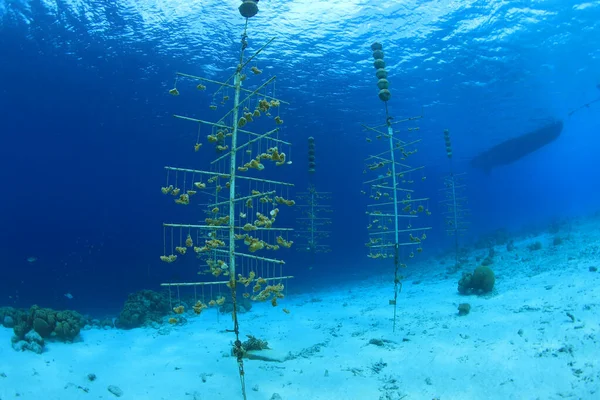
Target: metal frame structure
[395,177]
[455,201]
[240,234]
[313,205]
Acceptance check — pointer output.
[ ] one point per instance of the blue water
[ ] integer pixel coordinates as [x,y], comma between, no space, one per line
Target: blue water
[86,122]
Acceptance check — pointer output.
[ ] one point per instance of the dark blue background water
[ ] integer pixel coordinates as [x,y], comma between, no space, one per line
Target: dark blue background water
[86,125]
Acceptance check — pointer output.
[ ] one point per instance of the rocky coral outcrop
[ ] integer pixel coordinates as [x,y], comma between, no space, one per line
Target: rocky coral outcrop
[48,323]
[143,308]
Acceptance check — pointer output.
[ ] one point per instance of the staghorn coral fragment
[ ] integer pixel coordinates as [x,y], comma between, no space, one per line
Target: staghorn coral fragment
[284,243]
[183,199]
[169,259]
[270,291]
[246,281]
[199,307]
[179,310]
[281,200]
[255,246]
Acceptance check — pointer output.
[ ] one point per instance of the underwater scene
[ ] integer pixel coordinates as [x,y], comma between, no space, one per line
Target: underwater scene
[292,200]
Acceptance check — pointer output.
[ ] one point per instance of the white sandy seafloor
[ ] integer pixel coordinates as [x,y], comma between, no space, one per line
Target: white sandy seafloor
[517,343]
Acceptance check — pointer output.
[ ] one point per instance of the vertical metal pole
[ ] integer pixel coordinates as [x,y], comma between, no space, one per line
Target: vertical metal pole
[395,191]
[391,133]
[455,218]
[232,174]
[312,218]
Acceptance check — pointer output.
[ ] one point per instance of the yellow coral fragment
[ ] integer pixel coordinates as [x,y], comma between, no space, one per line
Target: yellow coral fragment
[284,243]
[183,199]
[246,281]
[174,92]
[256,245]
[198,307]
[249,227]
[270,290]
[197,146]
[179,310]
[264,105]
[281,200]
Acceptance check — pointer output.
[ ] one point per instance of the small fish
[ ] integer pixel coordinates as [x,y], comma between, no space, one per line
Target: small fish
[69,296]
[32,259]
